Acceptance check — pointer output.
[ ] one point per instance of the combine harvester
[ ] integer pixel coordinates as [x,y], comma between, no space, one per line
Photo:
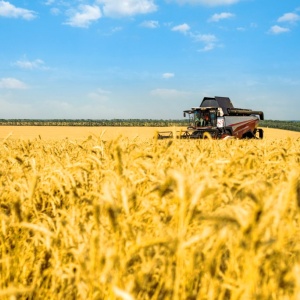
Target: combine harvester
[217,118]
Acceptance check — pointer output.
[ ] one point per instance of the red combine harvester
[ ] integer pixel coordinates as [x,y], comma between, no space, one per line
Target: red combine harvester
[217,117]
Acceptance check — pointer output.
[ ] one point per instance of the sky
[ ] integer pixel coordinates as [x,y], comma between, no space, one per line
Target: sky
[147,59]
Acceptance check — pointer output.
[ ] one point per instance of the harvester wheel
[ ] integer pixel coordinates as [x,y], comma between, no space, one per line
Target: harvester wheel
[227,135]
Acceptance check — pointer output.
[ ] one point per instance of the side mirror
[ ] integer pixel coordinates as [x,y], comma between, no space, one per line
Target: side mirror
[184,114]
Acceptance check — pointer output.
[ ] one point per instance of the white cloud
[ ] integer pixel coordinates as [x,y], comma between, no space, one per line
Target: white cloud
[221,16]
[84,16]
[116,29]
[49,2]
[184,28]
[55,11]
[205,38]
[12,84]
[150,24]
[10,11]
[278,29]
[209,41]
[99,95]
[207,2]
[117,8]
[31,65]
[168,75]
[289,17]
[207,47]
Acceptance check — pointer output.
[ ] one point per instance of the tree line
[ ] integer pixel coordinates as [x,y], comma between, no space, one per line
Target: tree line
[86,122]
[287,125]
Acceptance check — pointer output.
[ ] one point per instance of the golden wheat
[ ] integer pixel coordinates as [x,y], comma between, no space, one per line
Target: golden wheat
[148,219]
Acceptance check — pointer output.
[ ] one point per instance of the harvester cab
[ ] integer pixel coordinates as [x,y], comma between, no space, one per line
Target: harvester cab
[216,117]
[202,117]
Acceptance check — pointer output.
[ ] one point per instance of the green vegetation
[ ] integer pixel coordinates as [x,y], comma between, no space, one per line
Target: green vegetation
[87,122]
[288,125]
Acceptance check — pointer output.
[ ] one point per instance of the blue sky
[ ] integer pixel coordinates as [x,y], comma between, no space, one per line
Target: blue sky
[106,59]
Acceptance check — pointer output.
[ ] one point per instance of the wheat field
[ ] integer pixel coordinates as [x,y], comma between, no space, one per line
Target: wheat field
[107,132]
[121,215]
